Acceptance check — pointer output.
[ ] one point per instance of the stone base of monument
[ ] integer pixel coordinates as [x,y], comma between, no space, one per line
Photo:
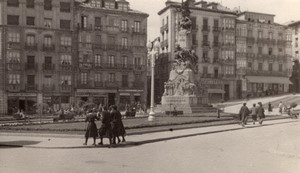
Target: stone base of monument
[187,104]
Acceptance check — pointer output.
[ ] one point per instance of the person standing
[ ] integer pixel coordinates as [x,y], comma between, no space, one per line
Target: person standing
[280,106]
[105,129]
[117,125]
[270,107]
[253,113]
[244,112]
[91,130]
[261,113]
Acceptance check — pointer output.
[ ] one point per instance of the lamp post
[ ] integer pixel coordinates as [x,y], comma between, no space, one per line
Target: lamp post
[153,49]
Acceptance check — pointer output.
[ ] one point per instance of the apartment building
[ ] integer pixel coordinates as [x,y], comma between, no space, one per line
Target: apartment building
[59,52]
[263,55]
[36,39]
[112,53]
[295,29]
[213,39]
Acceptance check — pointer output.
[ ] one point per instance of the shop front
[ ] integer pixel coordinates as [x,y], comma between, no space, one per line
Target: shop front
[19,101]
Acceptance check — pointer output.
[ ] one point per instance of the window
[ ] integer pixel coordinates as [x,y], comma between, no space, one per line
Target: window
[137,61]
[280,37]
[270,51]
[270,35]
[98,23]
[98,39]
[65,7]
[30,62]
[123,7]
[111,60]
[228,55]
[205,38]
[111,77]
[260,50]
[13,3]
[30,21]
[205,57]
[65,41]
[14,37]
[124,80]
[83,78]
[30,3]
[48,80]
[47,4]
[12,20]
[124,42]
[65,24]
[30,80]
[260,66]
[124,61]
[14,57]
[96,3]
[98,77]
[280,50]
[124,26]
[14,79]
[47,22]
[66,59]
[260,34]
[270,67]
[30,39]
[83,22]
[97,60]
[65,80]
[205,70]
[48,41]
[250,65]
[110,5]
[111,40]
[280,67]
[137,26]
[250,33]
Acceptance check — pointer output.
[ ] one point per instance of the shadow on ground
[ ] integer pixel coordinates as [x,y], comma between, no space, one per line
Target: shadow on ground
[16,144]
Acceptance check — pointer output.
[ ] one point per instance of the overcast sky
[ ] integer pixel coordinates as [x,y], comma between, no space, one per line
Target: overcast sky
[285,10]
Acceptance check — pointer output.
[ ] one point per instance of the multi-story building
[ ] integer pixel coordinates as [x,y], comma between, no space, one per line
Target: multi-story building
[263,55]
[112,53]
[59,52]
[213,39]
[295,27]
[36,46]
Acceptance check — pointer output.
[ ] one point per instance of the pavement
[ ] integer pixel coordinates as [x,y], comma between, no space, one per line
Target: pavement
[58,141]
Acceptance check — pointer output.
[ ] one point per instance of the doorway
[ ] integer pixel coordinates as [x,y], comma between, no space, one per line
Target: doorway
[22,105]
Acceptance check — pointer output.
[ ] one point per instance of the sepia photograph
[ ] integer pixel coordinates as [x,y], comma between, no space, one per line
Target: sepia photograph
[149,86]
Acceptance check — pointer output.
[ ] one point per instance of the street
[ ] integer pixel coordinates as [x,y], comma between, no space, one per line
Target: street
[270,148]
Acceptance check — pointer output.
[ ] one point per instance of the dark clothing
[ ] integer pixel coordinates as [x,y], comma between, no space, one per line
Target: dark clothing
[261,112]
[91,130]
[253,113]
[244,112]
[117,124]
[270,109]
[105,129]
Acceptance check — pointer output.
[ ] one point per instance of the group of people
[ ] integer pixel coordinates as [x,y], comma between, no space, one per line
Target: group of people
[256,112]
[112,126]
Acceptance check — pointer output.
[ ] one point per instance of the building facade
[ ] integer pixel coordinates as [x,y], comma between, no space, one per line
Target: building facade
[59,52]
[213,39]
[295,30]
[263,54]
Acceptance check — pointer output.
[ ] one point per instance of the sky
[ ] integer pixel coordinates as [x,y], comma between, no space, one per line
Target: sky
[285,10]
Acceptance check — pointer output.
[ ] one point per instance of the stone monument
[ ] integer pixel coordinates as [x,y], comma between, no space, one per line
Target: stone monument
[182,92]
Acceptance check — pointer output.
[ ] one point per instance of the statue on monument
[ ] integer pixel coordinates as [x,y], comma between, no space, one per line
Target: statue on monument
[186,22]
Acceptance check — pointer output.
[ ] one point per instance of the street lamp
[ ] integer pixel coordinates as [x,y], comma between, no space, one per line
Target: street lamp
[153,49]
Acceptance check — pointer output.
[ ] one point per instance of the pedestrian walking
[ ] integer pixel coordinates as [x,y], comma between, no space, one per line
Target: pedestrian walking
[260,113]
[91,130]
[117,125]
[244,112]
[105,129]
[280,106]
[270,109]
[253,113]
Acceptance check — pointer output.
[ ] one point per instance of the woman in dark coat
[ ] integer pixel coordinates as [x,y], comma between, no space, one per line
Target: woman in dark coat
[105,129]
[117,125]
[91,130]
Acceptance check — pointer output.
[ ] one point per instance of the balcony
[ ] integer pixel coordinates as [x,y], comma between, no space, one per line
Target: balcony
[98,46]
[139,67]
[31,47]
[48,48]
[14,45]
[140,31]
[206,75]
[112,47]
[250,40]
[48,87]
[66,67]
[205,43]
[85,65]
[65,88]
[229,28]
[205,28]
[13,87]
[98,28]
[112,84]
[164,28]
[125,29]
[86,28]
[85,46]
[270,41]
[260,41]
[195,28]
[216,29]
[30,87]
[99,84]
[281,42]
[241,54]
[138,85]
[84,85]
[14,66]
[67,49]
[165,43]
[48,67]
[266,73]
[124,48]
[216,44]
[31,67]
[113,29]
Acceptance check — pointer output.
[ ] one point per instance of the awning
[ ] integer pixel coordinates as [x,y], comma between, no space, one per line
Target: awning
[268,79]
[218,91]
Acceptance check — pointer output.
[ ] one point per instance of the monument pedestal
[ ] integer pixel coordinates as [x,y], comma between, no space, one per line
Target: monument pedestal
[187,104]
